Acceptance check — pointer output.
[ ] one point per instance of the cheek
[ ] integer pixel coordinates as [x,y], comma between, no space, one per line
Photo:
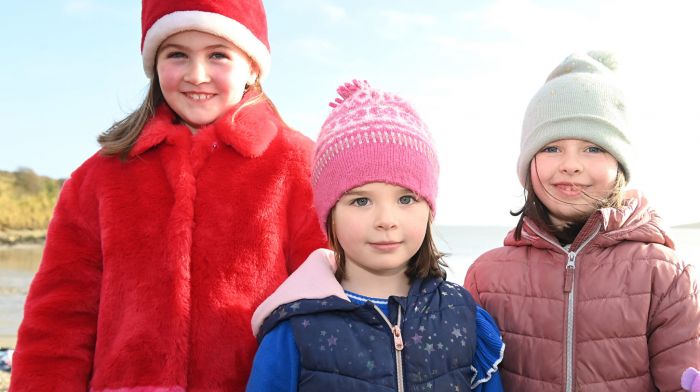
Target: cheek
[612,176]
[535,178]
[347,230]
[168,79]
[418,223]
[233,81]
[348,236]
[607,173]
[418,233]
[610,180]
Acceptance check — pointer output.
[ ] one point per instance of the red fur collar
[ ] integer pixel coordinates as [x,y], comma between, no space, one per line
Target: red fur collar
[250,134]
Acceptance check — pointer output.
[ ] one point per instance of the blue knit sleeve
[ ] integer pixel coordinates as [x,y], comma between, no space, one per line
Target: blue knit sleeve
[489,353]
[276,363]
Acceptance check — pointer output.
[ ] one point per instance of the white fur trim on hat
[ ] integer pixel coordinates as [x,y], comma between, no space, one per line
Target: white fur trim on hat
[207,22]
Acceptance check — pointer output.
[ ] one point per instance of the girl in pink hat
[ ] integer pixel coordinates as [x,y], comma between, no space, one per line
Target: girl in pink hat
[588,290]
[374,313]
[196,208]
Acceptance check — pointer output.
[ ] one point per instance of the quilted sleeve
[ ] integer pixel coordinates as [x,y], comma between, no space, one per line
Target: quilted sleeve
[56,339]
[674,330]
[470,283]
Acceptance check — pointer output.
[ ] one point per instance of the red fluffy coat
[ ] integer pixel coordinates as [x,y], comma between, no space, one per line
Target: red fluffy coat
[154,265]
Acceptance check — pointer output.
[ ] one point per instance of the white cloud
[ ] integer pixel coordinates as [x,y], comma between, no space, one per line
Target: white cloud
[398,24]
[322,51]
[407,19]
[524,18]
[95,8]
[333,12]
[79,6]
[474,47]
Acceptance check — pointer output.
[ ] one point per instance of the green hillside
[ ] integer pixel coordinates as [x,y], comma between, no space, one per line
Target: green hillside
[27,201]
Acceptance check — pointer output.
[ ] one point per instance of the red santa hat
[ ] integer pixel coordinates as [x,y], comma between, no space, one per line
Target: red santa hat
[242,22]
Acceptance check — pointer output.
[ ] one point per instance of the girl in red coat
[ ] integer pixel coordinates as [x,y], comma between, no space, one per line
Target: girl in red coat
[162,244]
[588,291]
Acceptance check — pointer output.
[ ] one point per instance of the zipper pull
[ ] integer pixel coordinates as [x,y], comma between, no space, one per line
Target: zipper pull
[569,272]
[398,340]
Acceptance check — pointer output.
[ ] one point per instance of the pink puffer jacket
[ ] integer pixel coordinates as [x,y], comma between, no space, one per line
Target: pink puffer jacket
[617,312]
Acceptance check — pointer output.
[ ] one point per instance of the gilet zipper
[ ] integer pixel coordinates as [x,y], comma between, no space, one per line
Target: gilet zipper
[398,344]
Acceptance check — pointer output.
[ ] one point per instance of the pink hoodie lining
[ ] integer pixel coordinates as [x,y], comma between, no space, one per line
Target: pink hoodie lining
[314,279]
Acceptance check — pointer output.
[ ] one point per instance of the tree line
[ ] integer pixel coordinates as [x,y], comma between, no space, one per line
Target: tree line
[26,202]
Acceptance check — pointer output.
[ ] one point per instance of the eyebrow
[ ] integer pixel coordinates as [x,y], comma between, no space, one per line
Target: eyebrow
[361,192]
[182,47]
[355,193]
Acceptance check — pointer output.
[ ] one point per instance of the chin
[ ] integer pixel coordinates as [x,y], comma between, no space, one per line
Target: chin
[199,123]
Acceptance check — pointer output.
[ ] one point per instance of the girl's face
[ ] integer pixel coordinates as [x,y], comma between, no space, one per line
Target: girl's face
[202,76]
[569,176]
[380,227]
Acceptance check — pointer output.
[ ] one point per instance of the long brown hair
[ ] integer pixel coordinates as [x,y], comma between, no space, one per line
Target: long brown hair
[427,262]
[535,210]
[122,135]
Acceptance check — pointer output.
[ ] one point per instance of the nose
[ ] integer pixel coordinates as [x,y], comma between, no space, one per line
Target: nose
[196,72]
[385,218]
[571,163]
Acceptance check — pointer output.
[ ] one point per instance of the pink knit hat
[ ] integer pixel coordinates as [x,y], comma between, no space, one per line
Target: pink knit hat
[372,136]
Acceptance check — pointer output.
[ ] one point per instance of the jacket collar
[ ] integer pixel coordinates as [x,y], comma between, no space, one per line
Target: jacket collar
[634,221]
[633,212]
[249,131]
[315,279]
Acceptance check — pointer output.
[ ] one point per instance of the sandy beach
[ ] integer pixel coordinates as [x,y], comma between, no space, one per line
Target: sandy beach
[4,381]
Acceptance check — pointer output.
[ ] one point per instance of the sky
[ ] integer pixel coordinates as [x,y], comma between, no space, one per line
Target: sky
[72,67]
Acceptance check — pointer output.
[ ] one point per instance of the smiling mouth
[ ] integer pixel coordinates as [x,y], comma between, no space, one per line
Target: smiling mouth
[569,189]
[198,96]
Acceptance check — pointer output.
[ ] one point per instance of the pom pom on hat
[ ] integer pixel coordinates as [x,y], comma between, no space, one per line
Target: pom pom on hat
[242,22]
[371,136]
[581,99]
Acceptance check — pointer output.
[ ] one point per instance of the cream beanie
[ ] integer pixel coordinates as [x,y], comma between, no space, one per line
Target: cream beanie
[580,100]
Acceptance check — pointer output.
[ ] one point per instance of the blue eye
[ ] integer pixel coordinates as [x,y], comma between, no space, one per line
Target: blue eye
[594,149]
[360,201]
[550,149]
[407,199]
[219,56]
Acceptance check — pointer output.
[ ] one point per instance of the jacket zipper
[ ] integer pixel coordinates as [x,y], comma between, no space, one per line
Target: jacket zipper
[398,344]
[569,289]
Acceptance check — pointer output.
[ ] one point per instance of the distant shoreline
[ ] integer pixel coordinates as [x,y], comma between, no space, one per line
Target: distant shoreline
[688,226]
[11,237]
